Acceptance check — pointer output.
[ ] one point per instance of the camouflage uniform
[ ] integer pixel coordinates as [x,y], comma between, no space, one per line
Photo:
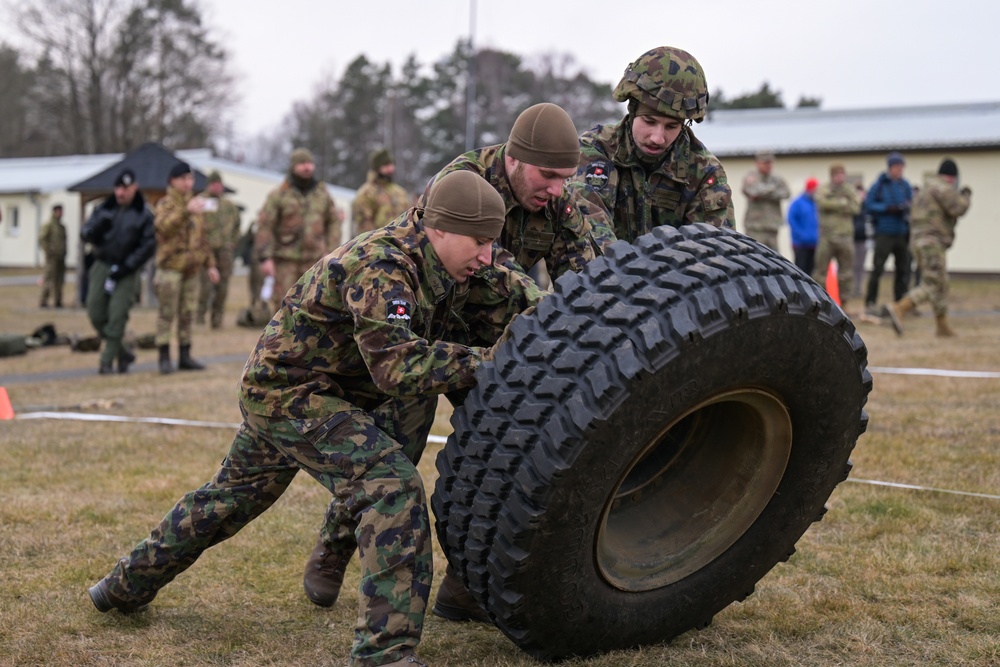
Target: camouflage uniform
[560,234]
[360,331]
[295,228]
[377,203]
[689,186]
[763,219]
[933,219]
[182,252]
[836,206]
[222,229]
[53,243]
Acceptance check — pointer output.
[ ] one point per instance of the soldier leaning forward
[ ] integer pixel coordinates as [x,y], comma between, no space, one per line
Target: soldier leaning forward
[361,330]
[649,169]
[545,221]
[297,226]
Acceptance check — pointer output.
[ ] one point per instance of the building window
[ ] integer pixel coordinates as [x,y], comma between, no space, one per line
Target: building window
[13,220]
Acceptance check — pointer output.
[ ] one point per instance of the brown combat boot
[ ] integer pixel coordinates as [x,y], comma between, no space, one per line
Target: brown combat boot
[408,661]
[896,312]
[455,603]
[324,575]
[943,330]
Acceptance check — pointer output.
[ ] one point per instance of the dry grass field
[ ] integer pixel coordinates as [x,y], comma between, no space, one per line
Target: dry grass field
[891,576]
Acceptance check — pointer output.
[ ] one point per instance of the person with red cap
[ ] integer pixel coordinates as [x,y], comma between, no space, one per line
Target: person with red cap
[804,223]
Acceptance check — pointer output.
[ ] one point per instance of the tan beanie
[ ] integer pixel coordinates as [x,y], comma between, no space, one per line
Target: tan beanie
[301,156]
[462,202]
[544,135]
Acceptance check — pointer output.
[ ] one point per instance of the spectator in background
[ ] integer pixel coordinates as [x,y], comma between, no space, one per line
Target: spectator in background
[764,191]
[837,205]
[804,223]
[222,229]
[935,215]
[380,200]
[53,243]
[888,202]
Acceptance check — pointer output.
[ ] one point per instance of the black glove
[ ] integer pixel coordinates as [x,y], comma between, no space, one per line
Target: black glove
[893,208]
[117,272]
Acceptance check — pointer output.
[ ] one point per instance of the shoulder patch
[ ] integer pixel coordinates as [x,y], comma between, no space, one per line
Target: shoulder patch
[597,175]
[397,311]
[710,180]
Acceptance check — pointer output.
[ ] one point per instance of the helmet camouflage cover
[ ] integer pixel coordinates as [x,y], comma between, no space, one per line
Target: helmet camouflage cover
[669,80]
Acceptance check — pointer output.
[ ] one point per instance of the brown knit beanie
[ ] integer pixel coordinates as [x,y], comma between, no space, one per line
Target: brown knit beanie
[462,202]
[544,135]
[301,156]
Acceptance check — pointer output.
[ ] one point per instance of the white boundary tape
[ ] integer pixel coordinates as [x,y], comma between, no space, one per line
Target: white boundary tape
[436,439]
[938,372]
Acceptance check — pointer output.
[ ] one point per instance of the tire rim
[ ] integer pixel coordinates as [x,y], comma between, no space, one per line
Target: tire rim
[694,490]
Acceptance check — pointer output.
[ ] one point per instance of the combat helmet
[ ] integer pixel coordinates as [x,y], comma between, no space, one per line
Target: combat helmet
[669,80]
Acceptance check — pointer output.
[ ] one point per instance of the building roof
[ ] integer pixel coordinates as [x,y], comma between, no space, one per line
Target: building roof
[48,174]
[151,163]
[736,133]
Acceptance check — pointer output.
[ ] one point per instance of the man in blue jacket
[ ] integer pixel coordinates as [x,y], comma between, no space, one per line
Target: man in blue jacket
[804,223]
[888,202]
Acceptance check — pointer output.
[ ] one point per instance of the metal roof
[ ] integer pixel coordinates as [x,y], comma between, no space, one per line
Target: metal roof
[735,133]
[48,174]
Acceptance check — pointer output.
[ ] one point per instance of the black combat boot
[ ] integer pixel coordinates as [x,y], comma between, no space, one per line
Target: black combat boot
[455,603]
[165,366]
[186,363]
[125,359]
[106,369]
[324,575]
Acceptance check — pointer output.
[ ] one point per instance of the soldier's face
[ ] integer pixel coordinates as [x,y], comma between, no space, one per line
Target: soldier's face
[896,171]
[124,194]
[387,170]
[534,187]
[304,170]
[653,135]
[183,184]
[764,166]
[461,255]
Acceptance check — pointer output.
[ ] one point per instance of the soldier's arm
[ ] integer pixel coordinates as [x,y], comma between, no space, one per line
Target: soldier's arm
[592,191]
[402,363]
[144,248]
[169,217]
[713,202]
[496,295]
[781,190]
[363,212]
[267,222]
[952,202]
[574,245]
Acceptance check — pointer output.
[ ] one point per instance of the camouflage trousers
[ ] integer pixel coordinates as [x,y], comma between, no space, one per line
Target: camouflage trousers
[408,421]
[109,312]
[212,298]
[286,273]
[366,471]
[768,237]
[933,285]
[55,277]
[177,295]
[840,248]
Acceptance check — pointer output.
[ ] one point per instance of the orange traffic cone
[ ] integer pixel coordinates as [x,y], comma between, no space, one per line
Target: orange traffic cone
[6,409]
[832,286]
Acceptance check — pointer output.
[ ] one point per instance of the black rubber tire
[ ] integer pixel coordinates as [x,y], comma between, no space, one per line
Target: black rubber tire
[654,438]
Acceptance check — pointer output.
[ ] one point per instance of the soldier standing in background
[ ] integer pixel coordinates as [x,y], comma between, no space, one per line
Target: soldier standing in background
[222,227]
[545,220]
[348,342]
[764,191]
[379,201]
[52,240]
[123,236]
[933,219]
[837,204]
[650,169]
[181,253]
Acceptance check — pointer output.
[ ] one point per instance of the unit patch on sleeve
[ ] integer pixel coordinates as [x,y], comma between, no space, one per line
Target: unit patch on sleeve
[597,175]
[397,311]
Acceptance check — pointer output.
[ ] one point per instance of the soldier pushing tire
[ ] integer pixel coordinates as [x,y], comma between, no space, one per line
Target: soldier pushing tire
[652,440]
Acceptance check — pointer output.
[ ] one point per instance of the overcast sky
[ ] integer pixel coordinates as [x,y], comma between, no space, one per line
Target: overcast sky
[850,53]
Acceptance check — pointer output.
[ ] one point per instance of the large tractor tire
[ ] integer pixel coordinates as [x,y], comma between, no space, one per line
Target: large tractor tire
[651,441]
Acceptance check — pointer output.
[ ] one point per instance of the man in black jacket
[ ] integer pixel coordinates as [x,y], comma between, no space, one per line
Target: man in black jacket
[122,233]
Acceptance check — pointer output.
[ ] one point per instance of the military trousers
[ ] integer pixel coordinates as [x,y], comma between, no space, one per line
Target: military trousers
[52,283]
[362,467]
[212,297]
[933,268]
[177,295]
[840,248]
[408,421]
[109,312]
